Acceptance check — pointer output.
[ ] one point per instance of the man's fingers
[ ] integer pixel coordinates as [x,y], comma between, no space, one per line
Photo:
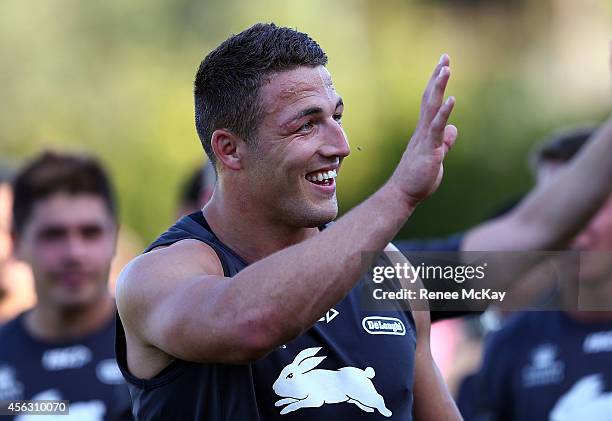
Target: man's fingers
[450,135]
[444,61]
[432,106]
[438,125]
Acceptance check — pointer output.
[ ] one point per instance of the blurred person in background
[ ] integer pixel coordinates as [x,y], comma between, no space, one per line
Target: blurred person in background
[196,190]
[65,228]
[544,219]
[16,285]
[555,365]
[549,215]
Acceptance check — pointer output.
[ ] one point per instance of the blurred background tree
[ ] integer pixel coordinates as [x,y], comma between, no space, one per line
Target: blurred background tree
[115,78]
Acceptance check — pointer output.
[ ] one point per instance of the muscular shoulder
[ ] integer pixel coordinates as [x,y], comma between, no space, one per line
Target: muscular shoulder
[178,259]
[157,271]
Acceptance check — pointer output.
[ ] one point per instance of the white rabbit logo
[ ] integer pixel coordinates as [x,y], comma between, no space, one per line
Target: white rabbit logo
[303,387]
[585,401]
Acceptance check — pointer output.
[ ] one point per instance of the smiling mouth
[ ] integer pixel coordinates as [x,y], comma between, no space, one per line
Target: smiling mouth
[72,278]
[322,178]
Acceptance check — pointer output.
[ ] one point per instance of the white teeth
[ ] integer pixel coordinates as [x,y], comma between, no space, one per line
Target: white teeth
[320,176]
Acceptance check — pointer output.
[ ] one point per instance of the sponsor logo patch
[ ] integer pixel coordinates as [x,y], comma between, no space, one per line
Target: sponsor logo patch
[545,368]
[108,372]
[598,342]
[378,325]
[65,358]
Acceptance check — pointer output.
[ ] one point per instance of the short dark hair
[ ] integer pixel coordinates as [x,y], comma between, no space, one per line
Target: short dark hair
[51,173]
[561,146]
[229,78]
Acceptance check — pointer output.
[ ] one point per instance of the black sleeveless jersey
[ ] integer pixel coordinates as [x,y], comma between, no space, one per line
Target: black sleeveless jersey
[352,365]
[544,365]
[82,371]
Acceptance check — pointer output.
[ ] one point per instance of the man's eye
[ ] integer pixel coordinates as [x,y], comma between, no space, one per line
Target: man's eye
[306,127]
[52,234]
[91,232]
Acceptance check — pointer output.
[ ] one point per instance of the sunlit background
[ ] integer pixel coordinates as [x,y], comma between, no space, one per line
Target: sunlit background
[115,78]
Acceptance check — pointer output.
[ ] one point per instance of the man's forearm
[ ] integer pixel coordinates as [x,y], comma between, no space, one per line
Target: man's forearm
[555,212]
[294,287]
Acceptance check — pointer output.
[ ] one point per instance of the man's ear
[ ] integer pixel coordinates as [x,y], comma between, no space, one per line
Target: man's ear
[228,148]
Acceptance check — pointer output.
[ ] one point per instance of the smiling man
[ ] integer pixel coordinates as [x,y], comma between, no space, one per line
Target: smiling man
[249,309]
[64,227]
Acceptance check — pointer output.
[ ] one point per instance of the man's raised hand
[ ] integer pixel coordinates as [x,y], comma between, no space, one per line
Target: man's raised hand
[420,170]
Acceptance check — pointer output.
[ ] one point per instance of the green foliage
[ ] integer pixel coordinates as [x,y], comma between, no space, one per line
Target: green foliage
[115,78]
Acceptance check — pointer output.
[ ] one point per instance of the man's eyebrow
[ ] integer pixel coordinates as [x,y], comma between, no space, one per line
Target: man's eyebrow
[313,110]
[307,111]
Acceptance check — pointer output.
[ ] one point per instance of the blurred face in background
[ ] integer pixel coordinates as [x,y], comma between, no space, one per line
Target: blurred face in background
[595,240]
[69,241]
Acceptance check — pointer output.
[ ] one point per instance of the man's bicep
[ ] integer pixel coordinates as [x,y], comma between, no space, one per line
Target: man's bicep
[165,298]
[185,323]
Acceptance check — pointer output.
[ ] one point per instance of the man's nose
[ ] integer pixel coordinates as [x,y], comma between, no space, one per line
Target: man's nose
[76,247]
[335,142]
[584,240]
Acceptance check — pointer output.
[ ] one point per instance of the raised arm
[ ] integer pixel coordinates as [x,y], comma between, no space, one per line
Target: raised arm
[177,300]
[554,213]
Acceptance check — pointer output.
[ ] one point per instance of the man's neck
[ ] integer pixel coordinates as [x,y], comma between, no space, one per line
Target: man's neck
[252,235]
[50,323]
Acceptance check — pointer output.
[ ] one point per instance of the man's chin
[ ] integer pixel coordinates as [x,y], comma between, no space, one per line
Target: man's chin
[75,301]
[323,216]
[309,214]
